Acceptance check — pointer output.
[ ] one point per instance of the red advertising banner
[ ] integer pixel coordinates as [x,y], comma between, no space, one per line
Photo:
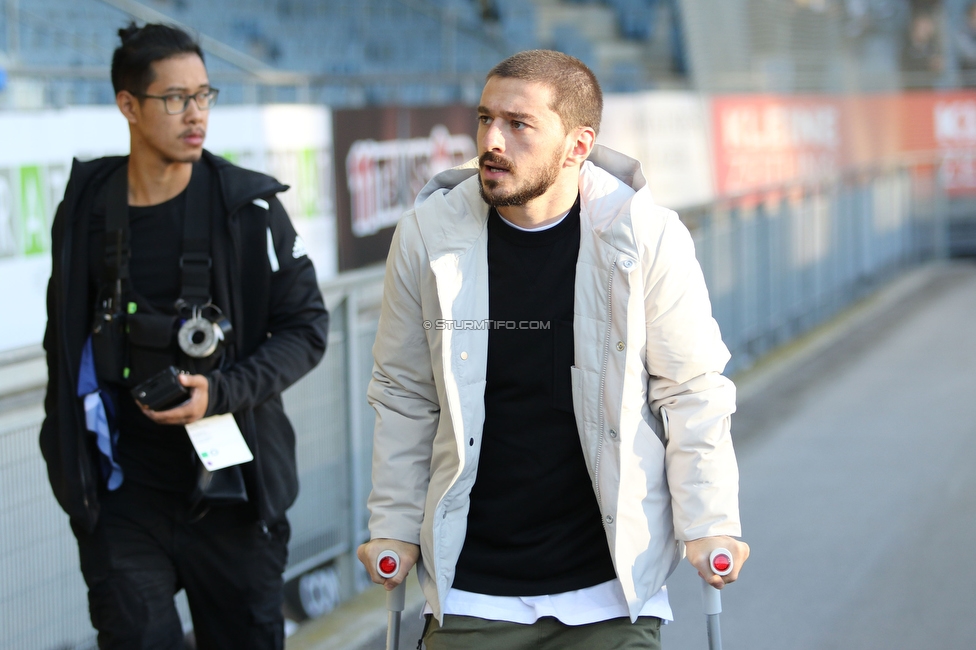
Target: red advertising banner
[873,129]
[383,158]
[944,122]
[762,140]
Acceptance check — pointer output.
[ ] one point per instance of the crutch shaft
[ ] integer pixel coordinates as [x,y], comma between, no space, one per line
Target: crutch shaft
[387,565]
[714,632]
[720,561]
[393,631]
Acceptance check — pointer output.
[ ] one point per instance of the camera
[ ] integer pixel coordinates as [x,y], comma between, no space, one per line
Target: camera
[201,334]
[162,391]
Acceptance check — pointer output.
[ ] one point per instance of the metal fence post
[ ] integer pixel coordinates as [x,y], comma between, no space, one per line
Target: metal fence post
[940,208]
[353,427]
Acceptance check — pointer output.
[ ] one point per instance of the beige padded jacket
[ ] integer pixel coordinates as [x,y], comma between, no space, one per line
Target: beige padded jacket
[652,407]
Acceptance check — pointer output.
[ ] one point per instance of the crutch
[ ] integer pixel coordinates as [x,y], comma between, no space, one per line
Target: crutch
[387,565]
[720,561]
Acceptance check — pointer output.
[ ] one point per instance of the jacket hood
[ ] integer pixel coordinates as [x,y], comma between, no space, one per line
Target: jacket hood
[611,184]
[93,173]
[241,186]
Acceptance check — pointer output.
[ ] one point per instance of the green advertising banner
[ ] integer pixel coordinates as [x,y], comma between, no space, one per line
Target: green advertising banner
[33,211]
[307,182]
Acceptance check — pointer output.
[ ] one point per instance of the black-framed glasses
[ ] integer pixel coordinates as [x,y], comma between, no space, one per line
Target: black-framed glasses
[177,103]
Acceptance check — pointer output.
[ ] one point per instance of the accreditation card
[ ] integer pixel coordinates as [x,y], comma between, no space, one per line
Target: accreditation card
[219,442]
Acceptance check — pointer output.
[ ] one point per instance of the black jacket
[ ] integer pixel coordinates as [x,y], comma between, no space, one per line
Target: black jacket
[280,327]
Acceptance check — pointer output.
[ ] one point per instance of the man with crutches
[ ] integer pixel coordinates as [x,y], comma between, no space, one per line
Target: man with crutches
[553,428]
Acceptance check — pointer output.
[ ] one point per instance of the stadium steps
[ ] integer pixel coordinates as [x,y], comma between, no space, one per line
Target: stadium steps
[620,63]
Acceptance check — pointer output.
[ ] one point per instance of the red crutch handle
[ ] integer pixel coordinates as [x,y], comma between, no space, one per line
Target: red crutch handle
[387,564]
[720,561]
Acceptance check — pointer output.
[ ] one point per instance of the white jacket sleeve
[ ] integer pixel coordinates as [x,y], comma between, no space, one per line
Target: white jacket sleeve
[403,393]
[685,357]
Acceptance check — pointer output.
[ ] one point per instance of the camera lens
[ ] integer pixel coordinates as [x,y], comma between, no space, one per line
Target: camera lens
[197,337]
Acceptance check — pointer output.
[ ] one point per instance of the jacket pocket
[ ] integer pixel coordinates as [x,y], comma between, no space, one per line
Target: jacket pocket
[649,448]
[664,435]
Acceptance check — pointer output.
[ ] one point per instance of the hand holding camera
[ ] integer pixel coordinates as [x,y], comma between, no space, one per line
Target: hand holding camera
[174,411]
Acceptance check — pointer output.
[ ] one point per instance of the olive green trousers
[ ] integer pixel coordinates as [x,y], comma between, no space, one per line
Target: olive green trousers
[470,633]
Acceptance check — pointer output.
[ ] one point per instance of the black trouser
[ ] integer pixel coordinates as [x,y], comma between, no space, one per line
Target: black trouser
[147,546]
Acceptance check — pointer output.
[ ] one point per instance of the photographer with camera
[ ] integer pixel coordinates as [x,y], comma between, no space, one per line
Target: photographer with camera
[180,295]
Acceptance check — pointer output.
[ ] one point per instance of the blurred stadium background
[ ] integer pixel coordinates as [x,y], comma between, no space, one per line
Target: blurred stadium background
[815,147]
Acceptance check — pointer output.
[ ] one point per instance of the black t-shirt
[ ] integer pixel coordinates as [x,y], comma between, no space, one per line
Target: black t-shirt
[150,454]
[534,526]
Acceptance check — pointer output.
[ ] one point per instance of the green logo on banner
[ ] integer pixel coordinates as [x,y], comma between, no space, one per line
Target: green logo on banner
[33,211]
[307,182]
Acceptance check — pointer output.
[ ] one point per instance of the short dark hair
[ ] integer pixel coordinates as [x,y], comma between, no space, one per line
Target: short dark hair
[576,94]
[143,46]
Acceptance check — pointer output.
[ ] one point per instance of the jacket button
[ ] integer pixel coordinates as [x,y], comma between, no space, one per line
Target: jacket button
[628,264]
[609,519]
[464,355]
[613,433]
[620,346]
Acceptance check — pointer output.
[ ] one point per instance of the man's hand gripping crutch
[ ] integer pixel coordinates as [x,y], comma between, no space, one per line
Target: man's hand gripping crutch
[718,560]
[388,562]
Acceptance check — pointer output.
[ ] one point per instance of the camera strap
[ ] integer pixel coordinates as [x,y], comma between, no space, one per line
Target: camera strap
[117,251]
[195,261]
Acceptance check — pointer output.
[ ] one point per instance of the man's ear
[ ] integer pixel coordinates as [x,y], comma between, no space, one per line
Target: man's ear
[581,141]
[128,106]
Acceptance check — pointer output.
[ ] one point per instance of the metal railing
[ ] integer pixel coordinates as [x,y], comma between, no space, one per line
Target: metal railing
[780,261]
[777,262]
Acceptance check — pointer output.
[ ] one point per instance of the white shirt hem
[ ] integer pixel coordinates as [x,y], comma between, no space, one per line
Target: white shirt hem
[594,604]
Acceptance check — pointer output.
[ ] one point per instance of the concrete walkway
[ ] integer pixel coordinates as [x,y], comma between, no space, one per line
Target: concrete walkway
[858,493]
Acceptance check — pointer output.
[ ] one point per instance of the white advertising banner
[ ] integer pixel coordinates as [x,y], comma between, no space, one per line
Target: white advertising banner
[36,149]
[668,133]
[291,142]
